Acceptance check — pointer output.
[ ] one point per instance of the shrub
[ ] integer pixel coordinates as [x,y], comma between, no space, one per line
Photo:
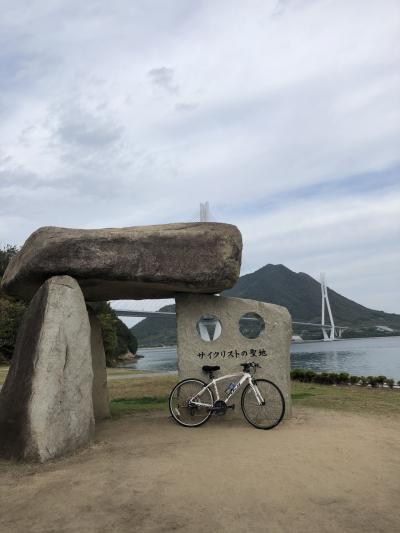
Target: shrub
[6,253]
[117,338]
[343,377]
[297,374]
[309,376]
[332,378]
[324,378]
[381,380]
[11,313]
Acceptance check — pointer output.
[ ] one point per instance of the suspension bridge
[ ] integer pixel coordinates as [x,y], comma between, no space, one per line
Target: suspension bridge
[330,331]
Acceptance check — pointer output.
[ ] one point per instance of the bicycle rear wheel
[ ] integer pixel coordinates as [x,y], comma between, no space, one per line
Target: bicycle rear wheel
[270,412]
[184,412]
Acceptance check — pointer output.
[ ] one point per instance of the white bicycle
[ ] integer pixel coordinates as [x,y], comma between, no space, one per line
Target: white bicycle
[192,401]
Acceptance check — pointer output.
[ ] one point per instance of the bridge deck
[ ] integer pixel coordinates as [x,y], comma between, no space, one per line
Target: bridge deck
[172,315]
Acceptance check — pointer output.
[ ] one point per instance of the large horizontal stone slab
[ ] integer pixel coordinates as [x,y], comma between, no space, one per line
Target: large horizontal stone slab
[130,263]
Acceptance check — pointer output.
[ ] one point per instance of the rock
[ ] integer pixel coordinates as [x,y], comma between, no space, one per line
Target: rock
[128,357]
[46,407]
[130,263]
[229,347]
[101,407]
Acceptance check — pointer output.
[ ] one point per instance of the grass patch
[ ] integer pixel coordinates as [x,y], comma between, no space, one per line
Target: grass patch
[110,372]
[301,395]
[122,371]
[152,393]
[142,394]
[131,395]
[3,373]
[347,398]
[152,386]
[126,406]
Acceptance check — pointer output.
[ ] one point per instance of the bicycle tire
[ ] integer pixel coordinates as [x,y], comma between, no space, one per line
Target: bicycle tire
[272,412]
[183,414]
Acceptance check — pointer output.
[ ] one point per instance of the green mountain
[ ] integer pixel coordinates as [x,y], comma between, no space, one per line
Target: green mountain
[299,292]
[156,331]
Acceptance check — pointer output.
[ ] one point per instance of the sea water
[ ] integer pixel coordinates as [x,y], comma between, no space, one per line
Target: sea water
[361,357]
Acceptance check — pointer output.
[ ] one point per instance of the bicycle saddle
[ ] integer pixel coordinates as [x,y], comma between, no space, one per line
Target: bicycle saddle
[207,368]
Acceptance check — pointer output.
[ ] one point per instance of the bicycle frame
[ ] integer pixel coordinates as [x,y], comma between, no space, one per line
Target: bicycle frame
[245,376]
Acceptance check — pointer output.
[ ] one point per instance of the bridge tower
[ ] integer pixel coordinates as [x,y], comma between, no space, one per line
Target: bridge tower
[205,212]
[325,302]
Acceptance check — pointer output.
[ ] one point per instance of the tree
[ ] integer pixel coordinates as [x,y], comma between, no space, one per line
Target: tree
[117,337]
[11,310]
[6,254]
[127,342]
[11,313]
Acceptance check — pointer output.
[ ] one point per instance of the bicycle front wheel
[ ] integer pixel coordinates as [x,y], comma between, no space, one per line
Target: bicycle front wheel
[268,413]
[185,400]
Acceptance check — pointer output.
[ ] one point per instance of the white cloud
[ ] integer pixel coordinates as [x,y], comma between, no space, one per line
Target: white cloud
[284,115]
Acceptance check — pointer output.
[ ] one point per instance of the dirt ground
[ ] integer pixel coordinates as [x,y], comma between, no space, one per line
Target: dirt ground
[319,472]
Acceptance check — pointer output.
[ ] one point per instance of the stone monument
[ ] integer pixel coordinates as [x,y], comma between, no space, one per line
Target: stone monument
[213,330]
[57,384]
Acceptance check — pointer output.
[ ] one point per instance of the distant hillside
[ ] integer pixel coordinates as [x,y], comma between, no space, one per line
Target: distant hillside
[156,331]
[299,292]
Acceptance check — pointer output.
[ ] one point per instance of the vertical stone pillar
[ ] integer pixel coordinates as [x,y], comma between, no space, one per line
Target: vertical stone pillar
[46,407]
[227,346]
[101,407]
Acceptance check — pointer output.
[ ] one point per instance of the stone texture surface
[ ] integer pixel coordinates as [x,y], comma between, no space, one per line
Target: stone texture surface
[46,405]
[131,263]
[101,407]
[274,340]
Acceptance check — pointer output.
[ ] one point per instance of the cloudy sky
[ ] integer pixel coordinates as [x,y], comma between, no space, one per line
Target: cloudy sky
[284,115]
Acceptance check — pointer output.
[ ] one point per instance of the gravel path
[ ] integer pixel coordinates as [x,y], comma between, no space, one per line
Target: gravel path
[320,472]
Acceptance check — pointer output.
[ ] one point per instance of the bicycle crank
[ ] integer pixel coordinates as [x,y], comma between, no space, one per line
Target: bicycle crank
[220,407]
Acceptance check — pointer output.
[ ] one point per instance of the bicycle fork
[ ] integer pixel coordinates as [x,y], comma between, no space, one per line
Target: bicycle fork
[257,393]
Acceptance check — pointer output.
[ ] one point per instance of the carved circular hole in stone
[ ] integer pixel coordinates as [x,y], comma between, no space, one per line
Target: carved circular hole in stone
[251,325]
[209,328]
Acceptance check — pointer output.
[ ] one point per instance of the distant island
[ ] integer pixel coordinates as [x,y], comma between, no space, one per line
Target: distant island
[300,293]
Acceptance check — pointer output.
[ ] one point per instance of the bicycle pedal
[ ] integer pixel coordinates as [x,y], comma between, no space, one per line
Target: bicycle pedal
[231,407]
